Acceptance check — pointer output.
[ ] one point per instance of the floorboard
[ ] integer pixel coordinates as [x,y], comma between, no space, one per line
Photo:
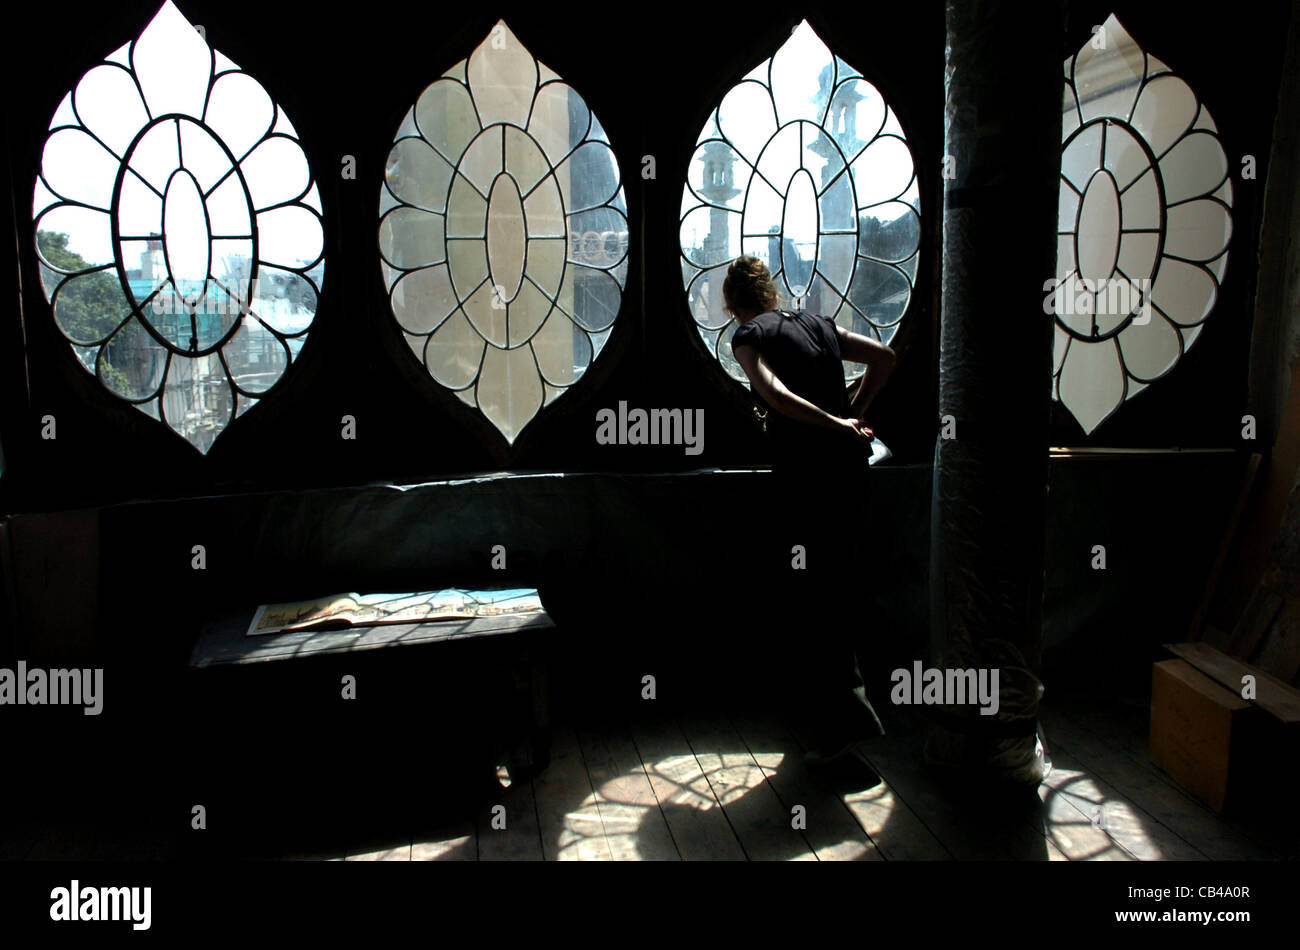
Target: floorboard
[694,816]
[760,820]
[568,819]
[635,827]
[519,839]
[1096,751]
[831,830]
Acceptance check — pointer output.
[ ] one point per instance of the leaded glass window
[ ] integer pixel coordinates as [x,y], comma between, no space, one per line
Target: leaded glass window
[1144,224]
[804,166]
[503,232]
[179,230]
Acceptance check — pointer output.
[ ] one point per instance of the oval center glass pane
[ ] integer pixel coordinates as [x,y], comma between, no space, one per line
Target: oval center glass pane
[505,236]
[185,235]
[1098,234]
[799,247]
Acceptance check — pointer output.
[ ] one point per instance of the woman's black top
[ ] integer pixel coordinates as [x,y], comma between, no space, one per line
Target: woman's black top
[803,351]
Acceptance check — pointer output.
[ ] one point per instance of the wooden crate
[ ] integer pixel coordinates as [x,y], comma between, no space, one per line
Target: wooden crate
[1199,730]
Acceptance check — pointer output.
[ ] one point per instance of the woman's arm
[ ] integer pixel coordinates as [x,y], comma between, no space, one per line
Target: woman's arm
[788,403]
[879,360]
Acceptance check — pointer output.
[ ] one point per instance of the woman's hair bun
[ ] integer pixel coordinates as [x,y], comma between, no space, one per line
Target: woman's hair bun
[748,286]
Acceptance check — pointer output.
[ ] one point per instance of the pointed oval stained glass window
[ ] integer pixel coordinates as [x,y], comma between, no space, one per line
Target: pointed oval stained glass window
[503,232]
[1144,224]
[804,166]
[179,230]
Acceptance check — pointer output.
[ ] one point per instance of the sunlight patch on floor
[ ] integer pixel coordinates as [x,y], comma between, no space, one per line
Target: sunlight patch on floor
[1087,826]
[612,817]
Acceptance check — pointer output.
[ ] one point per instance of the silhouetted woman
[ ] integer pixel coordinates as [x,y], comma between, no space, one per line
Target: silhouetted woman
[820,448]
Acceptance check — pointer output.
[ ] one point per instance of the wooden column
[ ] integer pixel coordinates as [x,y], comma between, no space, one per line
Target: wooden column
[1002,139]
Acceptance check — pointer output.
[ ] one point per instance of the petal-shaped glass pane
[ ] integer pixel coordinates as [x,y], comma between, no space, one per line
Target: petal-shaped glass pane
[290,236]
[588,177]
[1091,383]
[76,167]
[455,352]
[502,77]
[88,235]
[1198,230]
[563,351]
[276,172]
[91,306]
[1165,111]
[1194,167]
[1185,292]
[1108,74]
[197,399]
[880,292]
[284,300]
[255,357]
[559,122]
[410,238]
[710,236]
[718,175]
[173,64]
[446,117]
[130,364]
[803,76]
[856,116]
[704,296]
[1151,346]
[591,297]
[889,236]
[509,390]
[883,171]
[240,112]
[747,119]
[422,299]
[599,237]
[109,106]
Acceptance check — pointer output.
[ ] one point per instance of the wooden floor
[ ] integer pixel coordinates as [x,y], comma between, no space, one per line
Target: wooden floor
[733,786]
[730,786]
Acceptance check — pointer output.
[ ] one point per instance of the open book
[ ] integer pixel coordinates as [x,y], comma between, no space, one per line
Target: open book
[342,611]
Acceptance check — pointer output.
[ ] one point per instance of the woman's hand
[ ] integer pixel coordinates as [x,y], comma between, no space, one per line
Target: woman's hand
[855,430]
